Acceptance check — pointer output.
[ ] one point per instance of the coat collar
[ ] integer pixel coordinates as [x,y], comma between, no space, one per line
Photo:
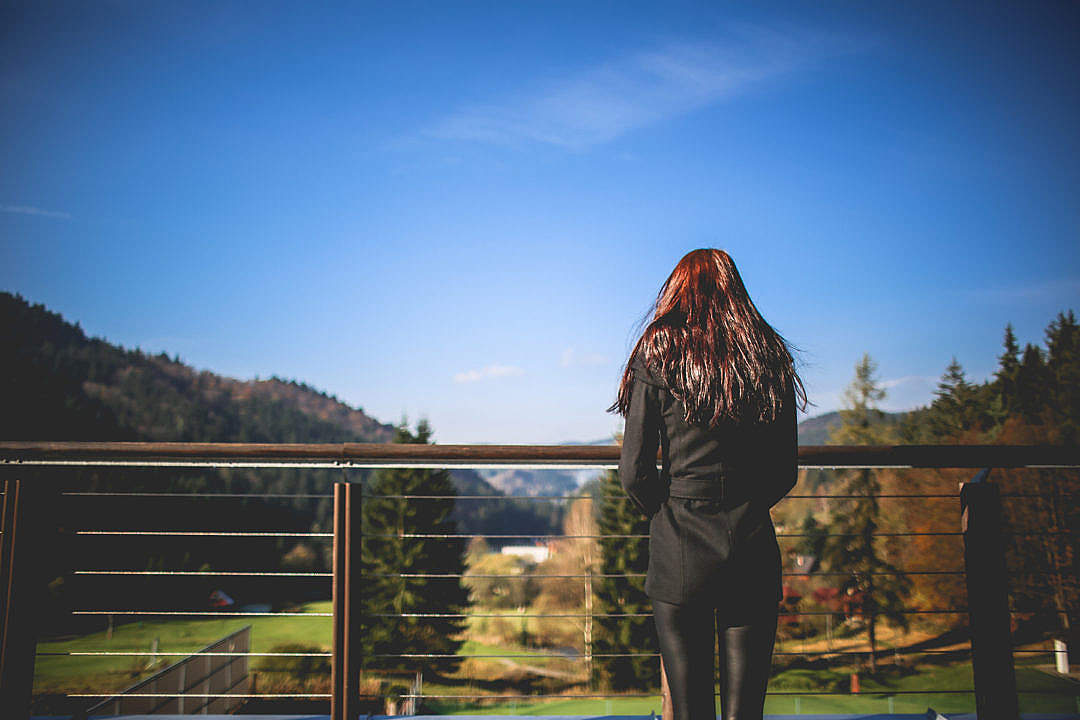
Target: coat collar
[644,373]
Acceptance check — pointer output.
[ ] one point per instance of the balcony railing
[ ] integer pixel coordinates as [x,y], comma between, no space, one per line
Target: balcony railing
[28,525]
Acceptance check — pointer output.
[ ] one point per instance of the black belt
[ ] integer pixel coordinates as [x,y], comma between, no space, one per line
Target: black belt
[697,487]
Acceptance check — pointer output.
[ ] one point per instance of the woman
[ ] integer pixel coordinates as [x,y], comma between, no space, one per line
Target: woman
[714,386]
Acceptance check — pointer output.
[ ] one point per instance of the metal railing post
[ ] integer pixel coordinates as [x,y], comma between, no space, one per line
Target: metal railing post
[345,673]
[988,599]
[20,589]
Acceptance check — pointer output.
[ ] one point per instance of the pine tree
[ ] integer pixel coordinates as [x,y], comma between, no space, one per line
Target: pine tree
[850,546]
[958,406]
[388,551]
[623,595]
[1008,369]
[1032,379]
[1063,368]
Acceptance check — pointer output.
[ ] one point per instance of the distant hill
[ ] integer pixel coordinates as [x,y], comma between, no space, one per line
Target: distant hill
[815,430]
[59,384]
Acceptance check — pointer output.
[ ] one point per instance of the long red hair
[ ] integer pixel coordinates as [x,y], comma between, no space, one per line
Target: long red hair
[712,347]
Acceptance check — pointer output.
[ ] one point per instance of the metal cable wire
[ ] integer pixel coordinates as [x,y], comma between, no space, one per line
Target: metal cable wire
[555,696]
[468,615]
[657,694]
[255,495]
[505,536]
[616,575]
[954,496]
[206,573]
[201,613]
[641,614]
[206,695]
[205,533]
[564,537]
[883,653]
[178,653]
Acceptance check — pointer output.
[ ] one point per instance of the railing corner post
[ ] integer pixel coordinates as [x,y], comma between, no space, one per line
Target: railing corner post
[347,652]
[21,587]
[988,599]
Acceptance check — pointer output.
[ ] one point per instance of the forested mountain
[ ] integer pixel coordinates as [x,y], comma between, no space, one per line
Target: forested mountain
[59,384]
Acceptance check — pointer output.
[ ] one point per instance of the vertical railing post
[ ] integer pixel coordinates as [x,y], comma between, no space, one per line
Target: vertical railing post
[988,599]
[345,673]
[20,589]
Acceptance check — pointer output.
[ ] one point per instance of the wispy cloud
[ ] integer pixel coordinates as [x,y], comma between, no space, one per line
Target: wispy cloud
[31,210]
[489,371]
[604,102]
[571,357]
[903,393]
[909,380]
[1042,290]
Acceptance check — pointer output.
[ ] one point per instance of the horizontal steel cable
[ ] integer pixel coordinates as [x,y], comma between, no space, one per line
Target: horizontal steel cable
[855,612]
[883,653]
[177,653]
[255,495]
[200,613]
[120,694]
[954,496]
[257,573]
[595,575]
[206,573]
[553,696]
[931,533]
[205,533]
[641,614]
[536,536]
[657,694]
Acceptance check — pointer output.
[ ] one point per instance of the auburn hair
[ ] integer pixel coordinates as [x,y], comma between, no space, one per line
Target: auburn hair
[710,345]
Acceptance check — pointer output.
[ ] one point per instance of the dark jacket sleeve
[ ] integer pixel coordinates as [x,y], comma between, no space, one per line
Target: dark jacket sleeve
[641,440]
[784,451]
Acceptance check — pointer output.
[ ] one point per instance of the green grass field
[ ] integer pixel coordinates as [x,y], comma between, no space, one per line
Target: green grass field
[69,674]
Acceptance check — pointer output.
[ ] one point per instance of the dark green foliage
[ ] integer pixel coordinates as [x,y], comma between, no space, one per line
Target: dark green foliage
[623,595]
[1063,369]
[1008,371]
[387,552]
[1037,388]
[959,407]
[299,668]
[814,537]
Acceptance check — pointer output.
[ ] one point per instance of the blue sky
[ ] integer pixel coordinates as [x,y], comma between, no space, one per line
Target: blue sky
[461,211]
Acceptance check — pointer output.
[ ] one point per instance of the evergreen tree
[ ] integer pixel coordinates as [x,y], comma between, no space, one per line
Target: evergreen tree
[1008,370]
[814,537]
[1063,369]
[850,546]
[623,595]
[958,407]
[388,551]
[1032,378]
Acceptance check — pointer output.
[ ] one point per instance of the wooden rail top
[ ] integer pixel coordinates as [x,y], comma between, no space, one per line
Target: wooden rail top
[360,454]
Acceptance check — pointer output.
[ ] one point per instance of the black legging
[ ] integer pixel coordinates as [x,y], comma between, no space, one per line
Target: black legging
[686,634]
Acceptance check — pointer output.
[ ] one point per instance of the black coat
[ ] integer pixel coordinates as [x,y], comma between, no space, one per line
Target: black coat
[710,532]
